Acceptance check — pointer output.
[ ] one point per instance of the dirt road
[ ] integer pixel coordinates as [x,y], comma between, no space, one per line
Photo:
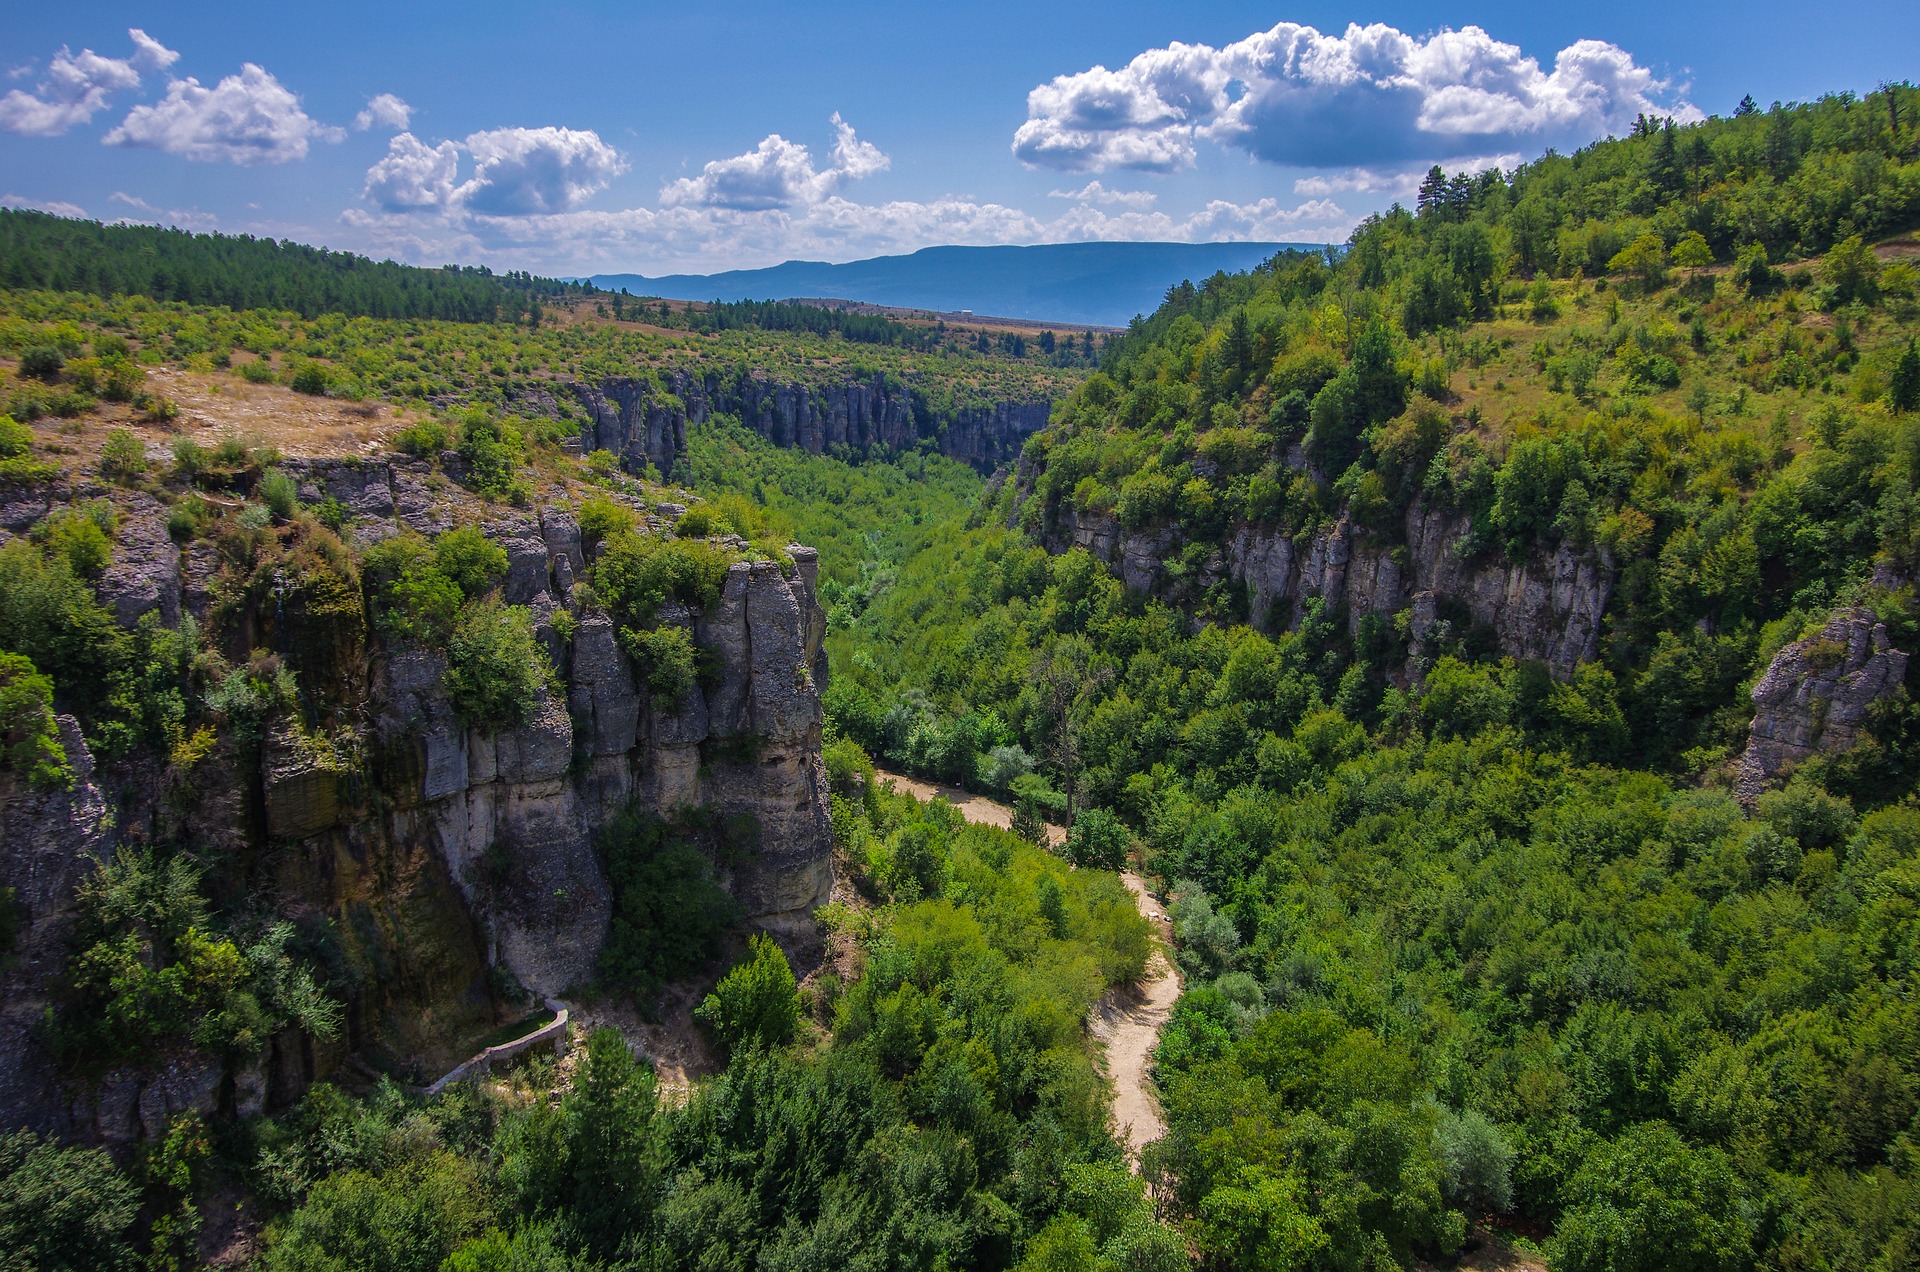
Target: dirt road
[1127,1022]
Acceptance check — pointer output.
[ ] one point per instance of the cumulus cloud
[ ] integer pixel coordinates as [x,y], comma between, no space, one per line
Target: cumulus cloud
[79,86]
[245,119]
[413,175]
[1094,192]
[384,111]
[529,171]
[777,174]
[1371,97]
[516,172]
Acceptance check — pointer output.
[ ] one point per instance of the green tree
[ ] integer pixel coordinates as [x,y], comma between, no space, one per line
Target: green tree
[1648,1201]
[1903,386]
[1098,840]
[29,736]
[497,673]
[1645,258]
[609,1119]
[1850,271]
[63,1209]
[1692,253]
[1028,822]
[406,1219]
[755,1004]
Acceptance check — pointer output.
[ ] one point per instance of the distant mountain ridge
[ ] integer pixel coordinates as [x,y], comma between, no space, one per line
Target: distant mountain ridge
[1104,284]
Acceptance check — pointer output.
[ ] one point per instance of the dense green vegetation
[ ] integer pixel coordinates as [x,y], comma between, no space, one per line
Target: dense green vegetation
[1062,350]
[951,1118]
[1483,946]
[421,361]
[1468,949]
[43,252]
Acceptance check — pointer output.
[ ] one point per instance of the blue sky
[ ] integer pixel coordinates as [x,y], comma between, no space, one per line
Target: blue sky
[680,137]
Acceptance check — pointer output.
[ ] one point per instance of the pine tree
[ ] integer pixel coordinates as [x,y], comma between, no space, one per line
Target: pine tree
[1903,393]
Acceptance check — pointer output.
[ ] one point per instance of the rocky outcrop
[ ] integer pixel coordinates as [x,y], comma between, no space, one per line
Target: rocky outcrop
[1816,696]
[1546,608]
[644,419]
[50,840]
[448,865]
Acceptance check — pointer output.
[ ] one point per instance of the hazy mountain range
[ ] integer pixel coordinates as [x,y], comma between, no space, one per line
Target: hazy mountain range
[1099,283]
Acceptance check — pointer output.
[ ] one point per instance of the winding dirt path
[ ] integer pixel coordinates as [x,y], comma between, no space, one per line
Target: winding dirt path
[1127,1021]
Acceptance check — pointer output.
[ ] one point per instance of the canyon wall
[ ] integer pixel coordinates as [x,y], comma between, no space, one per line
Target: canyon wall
[1546,608]
[645,420]
[454,872]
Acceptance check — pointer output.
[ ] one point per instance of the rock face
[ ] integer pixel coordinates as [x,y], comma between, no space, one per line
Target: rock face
[645,420]
[49,842]
[449,864]
[1546,608]
[1816,696]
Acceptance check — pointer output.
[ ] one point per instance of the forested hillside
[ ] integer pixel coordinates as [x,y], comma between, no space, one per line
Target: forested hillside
[1496,639]
[240,272]
[1471,938]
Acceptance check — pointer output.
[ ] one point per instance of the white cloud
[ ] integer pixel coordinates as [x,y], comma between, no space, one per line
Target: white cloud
[777,174]
[147,214]
[245,119]
[531,171]
[54,206]
[1094,192]
[151,52]
[1373,96]
[79,86]
[385,111]
[681,238]
[413,175]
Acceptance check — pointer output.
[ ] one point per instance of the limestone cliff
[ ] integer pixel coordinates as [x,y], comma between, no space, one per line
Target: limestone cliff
[449,867]
[645,420]
[1546,608]
[1816,696]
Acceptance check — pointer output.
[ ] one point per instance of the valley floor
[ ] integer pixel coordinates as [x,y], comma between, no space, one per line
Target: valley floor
[1127,1022]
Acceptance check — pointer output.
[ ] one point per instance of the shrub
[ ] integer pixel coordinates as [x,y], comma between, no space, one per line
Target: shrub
[1098,840]
[29,736]
[667,658]
[123,457]
[311,379]
[755,1004]
[423,440]
[668,912]
[64,1209]
[694,523]
[259,371]
[496,670]
[81,536]
[602,519]
[281,495]
[474,562]
[493,451]
[16,439]
[637,574]
[42,362]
